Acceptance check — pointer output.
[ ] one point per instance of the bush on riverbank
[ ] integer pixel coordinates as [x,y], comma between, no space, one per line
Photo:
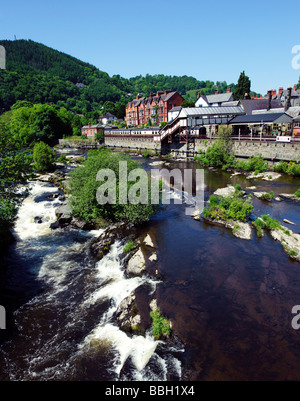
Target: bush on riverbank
[218,155]
[83,187]
[255,164]
[291,168]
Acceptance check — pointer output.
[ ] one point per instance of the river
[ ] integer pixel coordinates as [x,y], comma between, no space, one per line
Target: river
[229,299]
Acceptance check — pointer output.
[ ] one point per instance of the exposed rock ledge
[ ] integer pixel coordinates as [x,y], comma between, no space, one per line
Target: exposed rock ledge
[239,229]
[268,176]
[289,240]
[227,191]
[290,196]
[128,316]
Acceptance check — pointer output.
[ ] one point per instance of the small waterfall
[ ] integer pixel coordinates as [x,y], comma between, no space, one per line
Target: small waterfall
[70,323]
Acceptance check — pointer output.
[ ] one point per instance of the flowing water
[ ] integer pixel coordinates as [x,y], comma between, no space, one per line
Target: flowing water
[229,300]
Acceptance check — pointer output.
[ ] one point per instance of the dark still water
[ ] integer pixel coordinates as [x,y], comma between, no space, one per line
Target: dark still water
[229,300]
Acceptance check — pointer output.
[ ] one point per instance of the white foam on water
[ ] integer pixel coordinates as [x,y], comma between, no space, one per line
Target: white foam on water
[139,348]
[25,226]
[108,283]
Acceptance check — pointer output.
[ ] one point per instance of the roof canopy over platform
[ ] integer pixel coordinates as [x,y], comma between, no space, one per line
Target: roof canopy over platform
[210,111]
[267,118]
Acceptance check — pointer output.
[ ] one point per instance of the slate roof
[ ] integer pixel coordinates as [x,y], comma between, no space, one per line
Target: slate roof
[211,110]
[293,111]
[219,98]
[259,104]
[258,118]
[92,126]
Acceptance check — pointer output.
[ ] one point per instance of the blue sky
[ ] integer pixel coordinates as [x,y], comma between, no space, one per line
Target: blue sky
[209,40]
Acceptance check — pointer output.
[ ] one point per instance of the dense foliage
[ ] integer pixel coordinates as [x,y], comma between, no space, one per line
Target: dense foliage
[83,188]
[228,208]
[15,167]
[43,156]
[40,122]
[291,168]
[160,325]
[39,74]
[242,89]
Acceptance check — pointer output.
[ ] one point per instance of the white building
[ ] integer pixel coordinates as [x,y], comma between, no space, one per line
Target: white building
[214,100]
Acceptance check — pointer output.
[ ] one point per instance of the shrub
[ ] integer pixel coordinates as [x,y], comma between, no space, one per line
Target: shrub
[255,163]
[43,156]
[271,224]
[268,195]
[129,246]
[259,224]
[160,325]
[228,208]
[62,158]
[288,168]
[297,193]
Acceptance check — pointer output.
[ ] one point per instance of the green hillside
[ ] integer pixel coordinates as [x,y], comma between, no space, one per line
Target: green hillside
[39,74]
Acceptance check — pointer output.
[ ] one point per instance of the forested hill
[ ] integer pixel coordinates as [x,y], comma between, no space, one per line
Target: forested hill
[39,74]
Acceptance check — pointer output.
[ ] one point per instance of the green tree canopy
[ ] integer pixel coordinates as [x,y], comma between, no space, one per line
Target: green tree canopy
[242,88]
[41,122]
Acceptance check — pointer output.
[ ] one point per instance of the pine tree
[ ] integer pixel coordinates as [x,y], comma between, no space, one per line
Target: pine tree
[242,89]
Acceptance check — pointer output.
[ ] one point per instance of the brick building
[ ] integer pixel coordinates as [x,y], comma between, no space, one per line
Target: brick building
[90,131]
[156,107]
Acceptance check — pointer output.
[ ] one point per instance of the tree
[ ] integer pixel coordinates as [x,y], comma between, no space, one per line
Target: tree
[43,156]
[242,89]
[42,122]
[15,168]
[188,103]
[84,186]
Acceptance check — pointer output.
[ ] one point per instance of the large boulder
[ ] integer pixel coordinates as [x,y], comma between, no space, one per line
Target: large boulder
[101,245]
[63,214]
[128,317]
[136,264]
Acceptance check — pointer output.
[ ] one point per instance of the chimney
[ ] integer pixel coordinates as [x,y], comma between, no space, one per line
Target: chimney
[269,100]
[252,96]
[280,90]
[274,92]
[150,95]
[89,124]
[167,91]
[228,89]
[216,91]
[198,95]
[288,99]
[158,93]
[295,87]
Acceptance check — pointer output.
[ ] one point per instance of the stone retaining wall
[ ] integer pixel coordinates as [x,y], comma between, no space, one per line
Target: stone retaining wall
[269,150]
[274,151]
[139,142]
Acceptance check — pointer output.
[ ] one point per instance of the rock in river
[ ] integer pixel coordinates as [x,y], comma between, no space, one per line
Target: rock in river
[136,264]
